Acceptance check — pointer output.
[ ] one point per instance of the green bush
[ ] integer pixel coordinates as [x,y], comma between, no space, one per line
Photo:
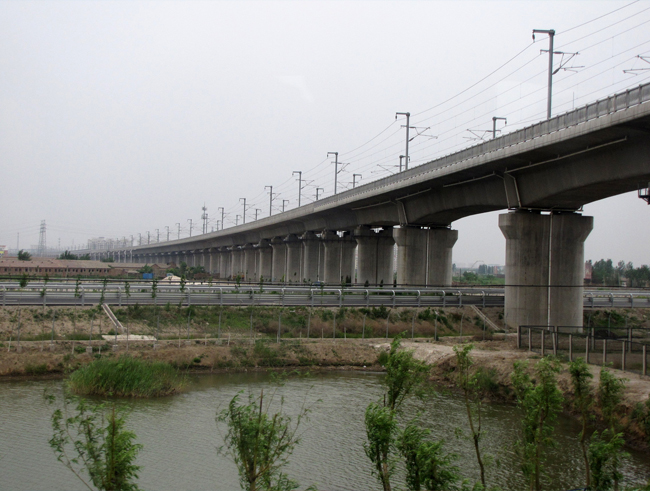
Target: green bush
[126,377]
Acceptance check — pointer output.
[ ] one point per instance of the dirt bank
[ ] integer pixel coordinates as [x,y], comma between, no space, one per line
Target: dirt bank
[497,355]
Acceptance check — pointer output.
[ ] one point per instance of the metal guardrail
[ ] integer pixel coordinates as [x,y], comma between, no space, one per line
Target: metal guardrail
[209,295]
[116,294]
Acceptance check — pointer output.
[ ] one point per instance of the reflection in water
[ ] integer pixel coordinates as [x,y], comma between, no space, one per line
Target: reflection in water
[180,436]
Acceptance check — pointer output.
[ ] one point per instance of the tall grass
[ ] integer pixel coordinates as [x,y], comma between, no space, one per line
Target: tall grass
[126,377]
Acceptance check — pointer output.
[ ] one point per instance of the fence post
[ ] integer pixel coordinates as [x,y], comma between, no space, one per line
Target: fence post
[543,331]
[645,363]
[629,337]
[604,351]
[587,348]
[623,352]
[518,337]
[530,339]
[554,334]
[570,347]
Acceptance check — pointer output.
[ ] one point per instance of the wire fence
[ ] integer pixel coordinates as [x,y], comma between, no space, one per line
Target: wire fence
[622,348]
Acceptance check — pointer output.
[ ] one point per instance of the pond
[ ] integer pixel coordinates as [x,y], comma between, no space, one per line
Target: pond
[180,436]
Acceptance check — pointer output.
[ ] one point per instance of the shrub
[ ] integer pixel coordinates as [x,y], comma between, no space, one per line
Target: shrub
[126,377]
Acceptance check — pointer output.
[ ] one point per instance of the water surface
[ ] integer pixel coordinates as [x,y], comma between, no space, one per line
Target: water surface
[180,436]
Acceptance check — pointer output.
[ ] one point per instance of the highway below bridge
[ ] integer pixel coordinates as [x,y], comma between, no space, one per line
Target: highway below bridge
[540,176]
[66,294]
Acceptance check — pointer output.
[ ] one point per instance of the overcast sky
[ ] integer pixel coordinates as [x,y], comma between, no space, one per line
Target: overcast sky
[118,118]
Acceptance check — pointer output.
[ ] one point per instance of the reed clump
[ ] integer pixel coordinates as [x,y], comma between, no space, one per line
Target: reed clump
[126,377]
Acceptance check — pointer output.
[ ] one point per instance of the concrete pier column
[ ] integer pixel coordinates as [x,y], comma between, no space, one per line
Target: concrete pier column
[331,257]
[424,255]
[375,256]
[544,267]
[235,261]
[321,260]
[264,260]
[249,263]
[279,264]
[224,264]
[311,249]
[211,260]
[348,249]
[411,255]
[294,259]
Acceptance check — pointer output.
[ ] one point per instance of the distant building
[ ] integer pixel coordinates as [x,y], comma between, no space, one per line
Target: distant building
[63,268]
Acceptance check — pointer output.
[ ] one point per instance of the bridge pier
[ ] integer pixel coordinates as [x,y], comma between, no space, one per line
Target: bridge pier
[213,261]
[311,249]
[294,259]
[331,257]
[224,262]
[264,260]
[375,256]
[249,265]
[544,267]
[235,261]
[279,260]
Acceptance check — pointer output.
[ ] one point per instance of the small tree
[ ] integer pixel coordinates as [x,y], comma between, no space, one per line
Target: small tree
[260,443]
[183,282]
[381,429]
[540,403]
[473,391]
[606,449]
[24,279]
[427,466]
[405,376]
[95,446]
[68,255]
[24,255]
[77,286]
[583,401]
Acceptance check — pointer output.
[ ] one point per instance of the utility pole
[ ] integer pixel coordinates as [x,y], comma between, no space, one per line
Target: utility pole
[204,217]
[336,167]
[139,239]
[299,172]
[179,230]
[190,220]
[167,227]
[406,155]
[157,235]
[223,211]
[494,125]
[318,189]
[283,202]
[256,210]
[551,36]
[148,237]
[218,222]
[132,241]
[400,162]
[244,216]
[270,199]
[354,180]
